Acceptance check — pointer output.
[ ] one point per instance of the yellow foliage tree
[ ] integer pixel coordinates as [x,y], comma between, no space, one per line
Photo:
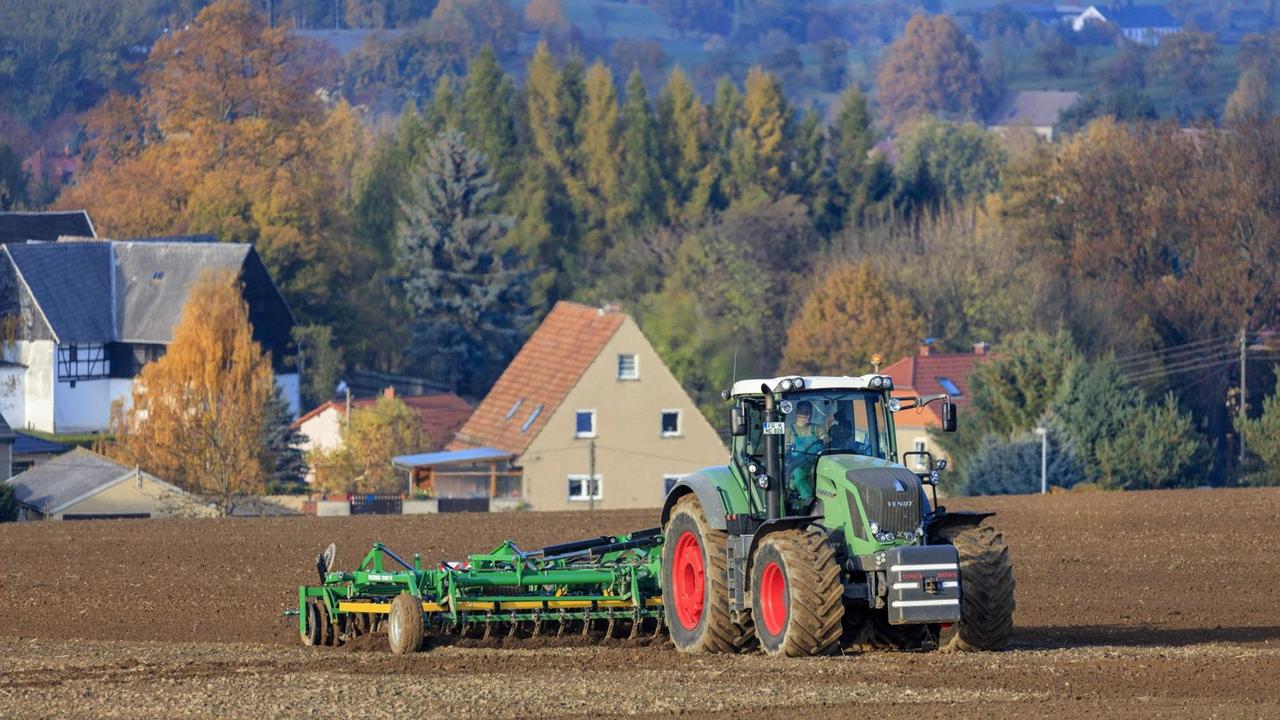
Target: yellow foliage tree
[375,435]
[849,316]
[934,68]
[196,415]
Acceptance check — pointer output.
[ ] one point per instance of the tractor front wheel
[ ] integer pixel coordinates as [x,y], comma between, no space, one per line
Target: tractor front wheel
[986,591]
[405,628]
[695,576]
[796,594]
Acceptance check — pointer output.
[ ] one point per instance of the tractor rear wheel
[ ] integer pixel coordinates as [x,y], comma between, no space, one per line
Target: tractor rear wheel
[695,576]
[405,628]
[986,590]
[796,594]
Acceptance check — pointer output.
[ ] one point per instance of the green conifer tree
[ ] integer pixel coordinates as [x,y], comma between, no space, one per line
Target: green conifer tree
[686,132]
[488,117]
[468,300]
[641,172]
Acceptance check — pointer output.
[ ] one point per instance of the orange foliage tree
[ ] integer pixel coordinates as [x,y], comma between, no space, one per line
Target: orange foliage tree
[934,68]
[849,316]
[231,136]
[374,435]
[196,416]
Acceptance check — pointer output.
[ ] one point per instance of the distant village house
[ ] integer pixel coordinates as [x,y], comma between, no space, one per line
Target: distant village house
[929,373]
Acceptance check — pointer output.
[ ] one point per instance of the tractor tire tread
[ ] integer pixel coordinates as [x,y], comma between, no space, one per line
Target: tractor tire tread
[816,603]
[723,634]
[987,592]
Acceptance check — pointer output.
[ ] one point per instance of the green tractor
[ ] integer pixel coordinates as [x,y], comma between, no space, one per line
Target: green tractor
[816,536]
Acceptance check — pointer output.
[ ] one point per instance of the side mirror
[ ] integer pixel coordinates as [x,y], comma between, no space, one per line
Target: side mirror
[737,422]
[949,417]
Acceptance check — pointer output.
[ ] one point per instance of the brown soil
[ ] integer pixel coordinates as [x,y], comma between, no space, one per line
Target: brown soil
[1133,605]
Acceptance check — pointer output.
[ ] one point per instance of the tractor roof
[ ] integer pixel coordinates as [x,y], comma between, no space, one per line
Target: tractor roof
[811,382]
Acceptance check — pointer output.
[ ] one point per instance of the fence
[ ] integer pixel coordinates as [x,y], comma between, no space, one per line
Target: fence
[376,504]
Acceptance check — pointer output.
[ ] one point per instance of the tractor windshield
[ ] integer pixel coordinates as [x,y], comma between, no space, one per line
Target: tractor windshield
[843,421]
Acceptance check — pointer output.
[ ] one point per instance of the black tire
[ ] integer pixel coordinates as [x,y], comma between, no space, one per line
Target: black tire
[312,636]
[986,589]
[405,628]
[797,599]
[698,622]
[328,632]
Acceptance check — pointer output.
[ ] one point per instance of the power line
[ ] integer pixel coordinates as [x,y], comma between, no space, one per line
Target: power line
[1136,357]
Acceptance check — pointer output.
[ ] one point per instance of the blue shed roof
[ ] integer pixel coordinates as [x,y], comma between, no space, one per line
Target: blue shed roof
[452,457]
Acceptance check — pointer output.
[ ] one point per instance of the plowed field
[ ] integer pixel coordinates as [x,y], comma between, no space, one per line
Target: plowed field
[1136,605]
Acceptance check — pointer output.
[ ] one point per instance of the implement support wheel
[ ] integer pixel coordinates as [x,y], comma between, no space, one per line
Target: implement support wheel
[312,635]
[986,592]
[797,598]
[695,577]
[405,628]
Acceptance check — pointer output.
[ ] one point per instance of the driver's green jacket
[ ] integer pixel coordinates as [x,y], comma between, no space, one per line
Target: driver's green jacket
[802,455]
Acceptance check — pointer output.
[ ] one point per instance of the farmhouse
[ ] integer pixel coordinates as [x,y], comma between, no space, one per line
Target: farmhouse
[1036,110]
[88,314]
[929,373]
[83,485]
[1143,24]
[21,227]
[587,389]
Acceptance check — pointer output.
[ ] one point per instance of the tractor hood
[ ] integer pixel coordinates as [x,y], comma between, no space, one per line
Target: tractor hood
[890,495]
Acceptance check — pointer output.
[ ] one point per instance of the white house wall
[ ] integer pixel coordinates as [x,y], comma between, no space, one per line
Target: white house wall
[87,406]
[37,384]
[13,395]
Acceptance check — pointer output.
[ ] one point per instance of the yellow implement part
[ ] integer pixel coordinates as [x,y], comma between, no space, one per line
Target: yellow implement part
[653,602]
[381,608]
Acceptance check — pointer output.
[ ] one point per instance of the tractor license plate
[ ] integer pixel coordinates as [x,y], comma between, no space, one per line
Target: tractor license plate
[775,428]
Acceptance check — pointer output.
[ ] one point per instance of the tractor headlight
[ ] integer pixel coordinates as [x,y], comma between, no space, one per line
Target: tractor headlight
[885,537]
[798,383]
[785,385]
[920,532]
[875,528]
[888,382]
[895,404]
[876,382]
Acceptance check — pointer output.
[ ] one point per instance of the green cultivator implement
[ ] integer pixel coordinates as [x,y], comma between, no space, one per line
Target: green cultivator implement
[604,585]
[814,537]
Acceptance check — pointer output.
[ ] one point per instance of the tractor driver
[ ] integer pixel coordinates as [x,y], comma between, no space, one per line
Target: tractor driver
[804,442]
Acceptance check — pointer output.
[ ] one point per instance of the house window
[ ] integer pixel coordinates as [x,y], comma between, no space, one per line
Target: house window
[586,424]
[583,488]
[949,387]
[669,481]
[532,416]
[511,413]
[670,423]
[83,362]
[628,369]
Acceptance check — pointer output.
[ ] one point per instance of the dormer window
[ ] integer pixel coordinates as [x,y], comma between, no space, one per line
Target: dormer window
[512,412]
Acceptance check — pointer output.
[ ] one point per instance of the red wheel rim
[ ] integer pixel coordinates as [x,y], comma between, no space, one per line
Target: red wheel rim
[773,598]
[688,580]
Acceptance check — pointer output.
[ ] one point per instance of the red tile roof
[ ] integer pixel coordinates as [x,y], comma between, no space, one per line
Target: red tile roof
[921,375]
[441,414]
[549,365]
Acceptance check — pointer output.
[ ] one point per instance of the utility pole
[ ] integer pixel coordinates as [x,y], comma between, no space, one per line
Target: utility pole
[591,476]
[1244,398]
[1044,459]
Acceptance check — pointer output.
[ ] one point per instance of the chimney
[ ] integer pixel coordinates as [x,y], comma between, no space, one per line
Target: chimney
[981,348]
[925,348]
[389,393]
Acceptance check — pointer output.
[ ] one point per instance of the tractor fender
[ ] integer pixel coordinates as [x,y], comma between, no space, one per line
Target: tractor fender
[708,495]
[941,524]
[771,526]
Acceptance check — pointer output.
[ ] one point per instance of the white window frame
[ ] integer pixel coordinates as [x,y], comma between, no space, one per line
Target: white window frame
[592,432]
[583,496]
[635,365]
[679,423]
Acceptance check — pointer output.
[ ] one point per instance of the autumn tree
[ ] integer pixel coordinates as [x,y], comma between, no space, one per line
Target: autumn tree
[373,435]
[1251,101]
[1186,58]
[467,298]
[934,68]
[642,175]
[197,416]
[759,151]
[849,316]
[685,128]
[600,159]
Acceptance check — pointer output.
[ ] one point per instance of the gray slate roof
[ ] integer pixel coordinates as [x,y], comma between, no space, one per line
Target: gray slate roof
[1033,108]
[53,485]
[102,291]
[17,227]
[155,277]
[72,284]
